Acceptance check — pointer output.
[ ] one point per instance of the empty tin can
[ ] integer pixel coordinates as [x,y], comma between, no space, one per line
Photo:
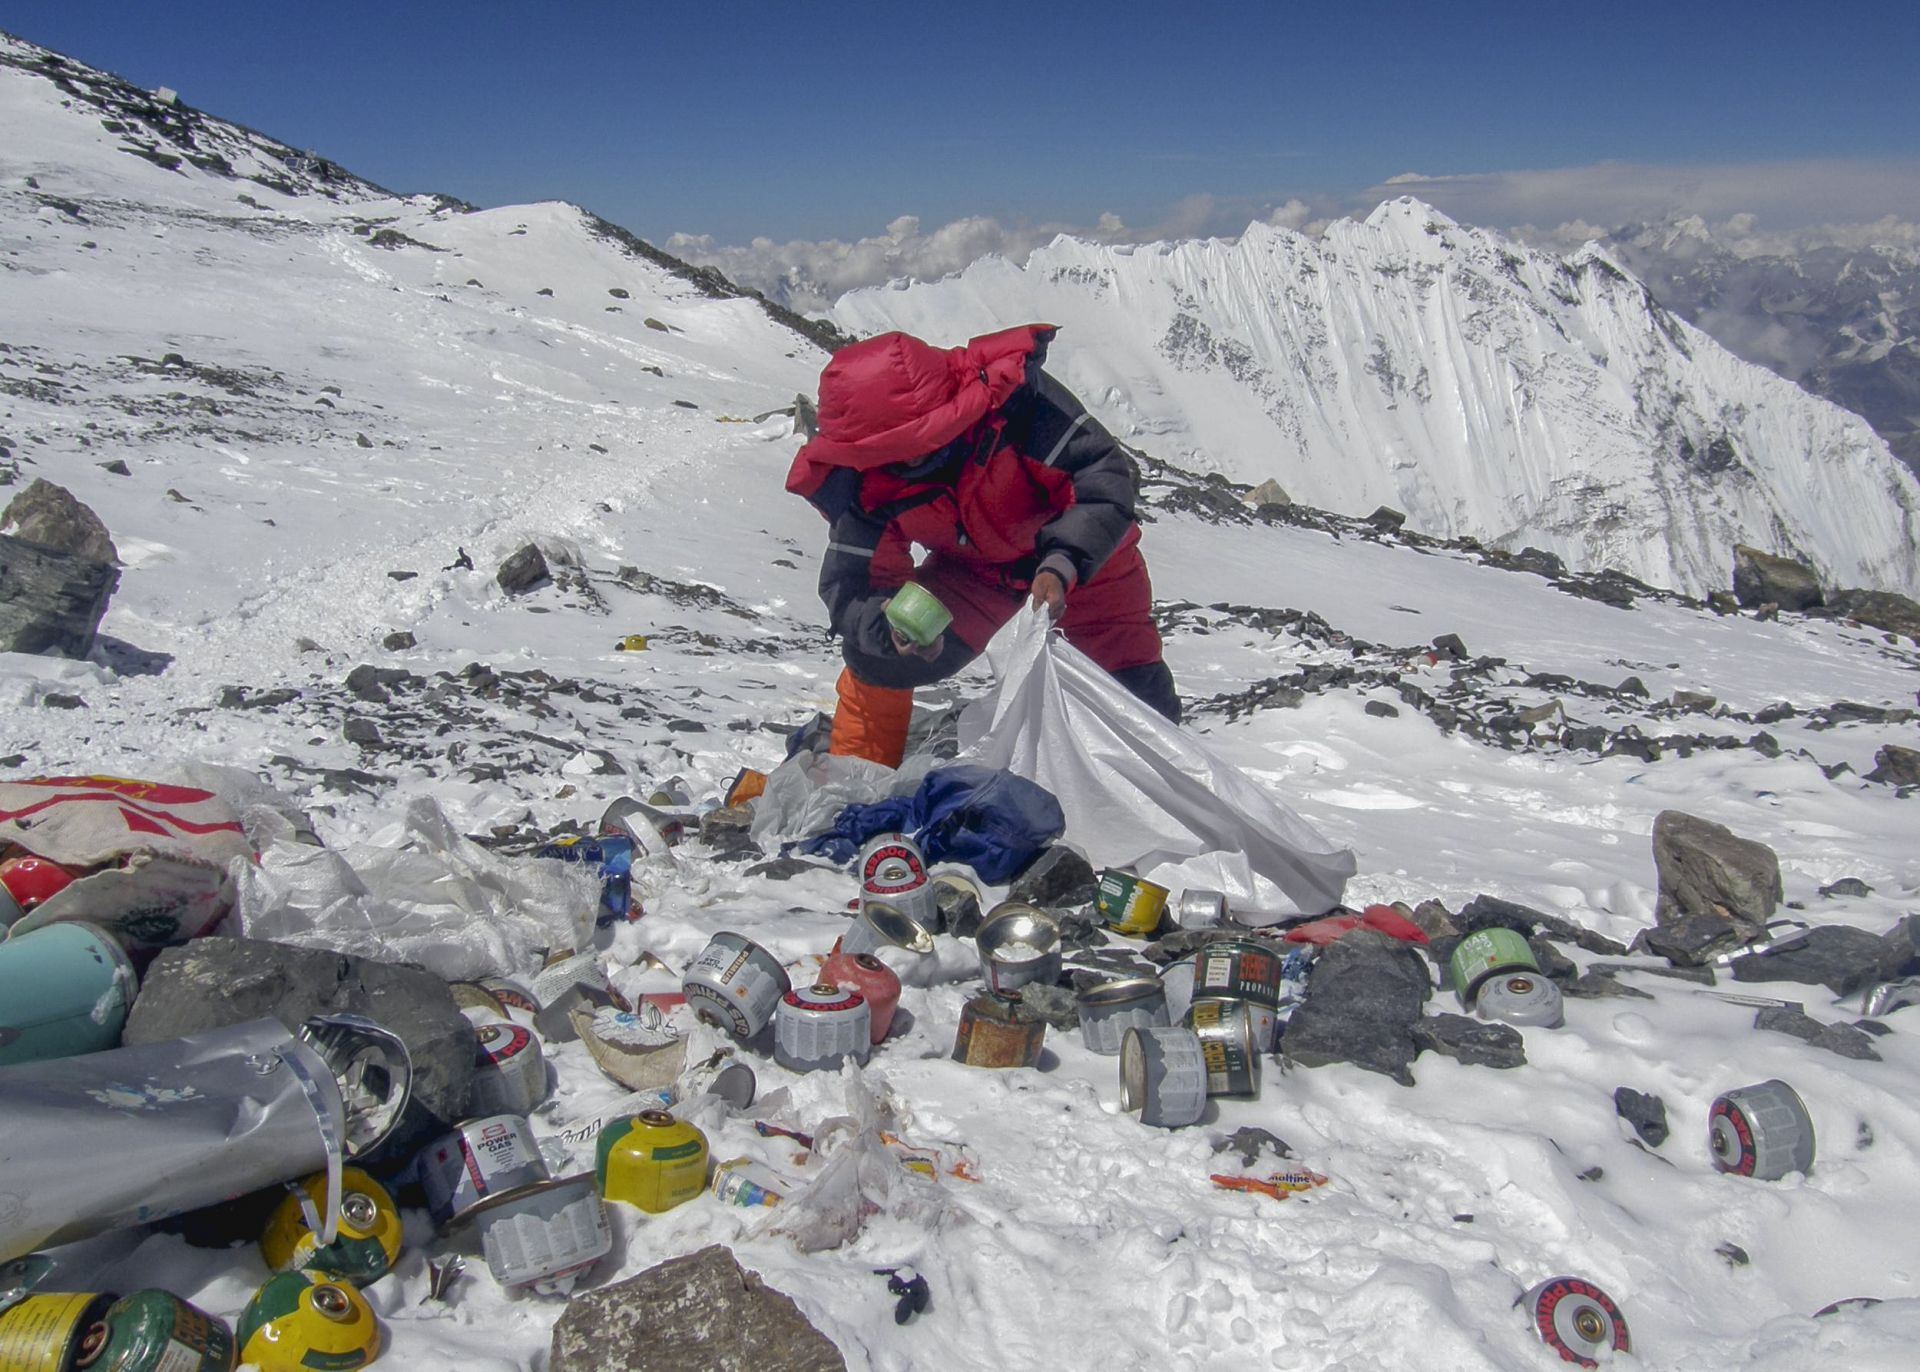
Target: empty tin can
[1107,1011]
[1238,969]
[1163,1075]
[1484,952]
[1130,904]
[819,1027]
[1577,1320]
[490,1156]
[1201,909]
[152,1331]
[1225,1031]
[546,1237]
[301,1321]
[997,1031]
[1520,998]
[1018,943]
[652,830]
[42,1333]
[879,924]
[873,979]
[65,989]
[735,984]
[1263,1023]
[748,1184]
[651,1160]
[510,1074]
[368,1238]
[891,868]
[721,1075]
[1761,1131]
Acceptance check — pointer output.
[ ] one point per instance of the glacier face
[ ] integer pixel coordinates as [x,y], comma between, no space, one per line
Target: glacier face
[1483,388]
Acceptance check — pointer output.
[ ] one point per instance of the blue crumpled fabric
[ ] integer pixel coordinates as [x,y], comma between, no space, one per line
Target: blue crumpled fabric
[993,821]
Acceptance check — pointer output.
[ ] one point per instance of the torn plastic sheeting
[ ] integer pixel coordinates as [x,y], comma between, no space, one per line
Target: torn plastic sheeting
[1139,791]
[806,793]
[418,892]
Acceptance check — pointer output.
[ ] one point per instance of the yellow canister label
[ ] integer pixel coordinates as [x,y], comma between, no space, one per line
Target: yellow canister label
[1129,904]
[37,1334]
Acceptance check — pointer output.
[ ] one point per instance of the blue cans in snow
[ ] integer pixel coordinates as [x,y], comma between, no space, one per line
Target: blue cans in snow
[614,854]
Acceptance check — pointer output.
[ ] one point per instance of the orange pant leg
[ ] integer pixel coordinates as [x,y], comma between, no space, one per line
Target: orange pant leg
[871,721]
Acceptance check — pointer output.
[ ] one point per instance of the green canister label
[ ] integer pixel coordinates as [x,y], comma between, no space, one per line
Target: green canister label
[1486,951]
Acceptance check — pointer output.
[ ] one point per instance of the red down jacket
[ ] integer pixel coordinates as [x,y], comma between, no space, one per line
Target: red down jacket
[981,458]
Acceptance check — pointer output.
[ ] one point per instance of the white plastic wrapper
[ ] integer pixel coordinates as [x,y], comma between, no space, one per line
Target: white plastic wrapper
[806,793]
[1138,791]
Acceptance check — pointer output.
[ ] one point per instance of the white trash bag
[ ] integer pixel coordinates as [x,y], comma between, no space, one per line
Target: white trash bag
[1139,791]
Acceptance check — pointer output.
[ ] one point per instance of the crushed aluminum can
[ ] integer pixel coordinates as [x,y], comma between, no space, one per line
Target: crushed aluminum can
[1889,996]
[748,1184]
[1483,954]
[1577,1320]
[545,1238]
[1018,944]
[1761,1131]
[874,980]
[300,1321]
[1239,969]
[175,1126]
[1107,1011]
[1262,1021]
[721,1075]
[481,1158]
[892,869]
[878,925]
[65,989]
[1522,998]
[510,1073]
[735,984]
[42,1333]
[153,1331]
[1225,1031]
[651,1160]
[1201,909]
[817,1028]
[369,1230]
[1163,1075]
[1129,903]
[996,1030]
[1176,980]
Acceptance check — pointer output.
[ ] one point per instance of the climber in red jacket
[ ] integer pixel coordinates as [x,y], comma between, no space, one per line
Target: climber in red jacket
[981,458]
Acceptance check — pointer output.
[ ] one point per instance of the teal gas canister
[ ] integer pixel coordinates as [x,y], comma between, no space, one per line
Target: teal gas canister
[65,989]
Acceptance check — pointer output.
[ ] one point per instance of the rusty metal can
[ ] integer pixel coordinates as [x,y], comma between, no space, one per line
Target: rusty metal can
[749,1184]
[892,869]
[301,1321]
[544,1238]
[735,984]
[42,1333]
[1264,1022]
[879,924]
[1238,969]
[1163,1075]
[366,1245]
[1107,1011]
[819,1027]
[152,1331]
[490,1156]
[1225,1031]
[1130,904]
[1018,943]
[510,1074]
[1201,909]
[996,1031]
[651,1160]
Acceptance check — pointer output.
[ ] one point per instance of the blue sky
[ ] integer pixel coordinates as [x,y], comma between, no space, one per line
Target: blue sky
[735,120]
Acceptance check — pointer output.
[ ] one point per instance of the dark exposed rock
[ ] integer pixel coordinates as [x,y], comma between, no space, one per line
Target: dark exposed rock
[700,1311]
[1058,876]
[1896,766]
[1633,686]
[1693,700]
[1477,1043]
[786,868]
[1364,995]
[524,570]
[1387,519]
[1903,947]
[1735,1255]
[364,682]
[1843,1039]
[1764,744]
[1884,610]
[1775,713]
[1646,1113]
[1691,940]
[1252,1144]
[399,641]
[1433,919]
[117,467]
[1846,886]
[1835,956]
[51,602]
[363,732]
[1057,1005]
[1540,562]
[1553,963]
[728,828]
[1485,910]
[60,700]
[1704,869]
[1592,985]
[213,982]
[49,516]
[959,909]
[1381,710]
[1763,579]
[1451,646]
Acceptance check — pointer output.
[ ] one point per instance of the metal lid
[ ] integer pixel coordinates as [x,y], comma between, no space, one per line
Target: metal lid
[1125,991]
[1133,1070]
[896,926]
[1013,921]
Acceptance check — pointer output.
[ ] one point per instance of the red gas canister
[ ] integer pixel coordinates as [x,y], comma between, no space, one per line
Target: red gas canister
[873,979]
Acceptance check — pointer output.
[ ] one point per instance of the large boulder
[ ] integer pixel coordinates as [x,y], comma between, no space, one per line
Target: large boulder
[701,1311]
[1836,956]
[1708,873]
[1764,579]
[213,982]
[1896,766]
[50,516]
[1896,614]
[51,602]
[1364,996]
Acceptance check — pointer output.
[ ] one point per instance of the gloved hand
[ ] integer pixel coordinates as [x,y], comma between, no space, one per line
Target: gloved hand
[1050,591]
[907,647]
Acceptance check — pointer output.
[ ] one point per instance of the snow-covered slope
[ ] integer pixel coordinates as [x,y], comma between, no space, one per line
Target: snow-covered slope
[270,552]
[1482,388]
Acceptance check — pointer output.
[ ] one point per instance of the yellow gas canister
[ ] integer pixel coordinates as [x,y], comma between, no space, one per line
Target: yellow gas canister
[369,1237]
[308,1322]
[43,1333]
[651,1160]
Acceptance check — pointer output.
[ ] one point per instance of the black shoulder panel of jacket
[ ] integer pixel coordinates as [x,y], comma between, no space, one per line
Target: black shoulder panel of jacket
[1049,424]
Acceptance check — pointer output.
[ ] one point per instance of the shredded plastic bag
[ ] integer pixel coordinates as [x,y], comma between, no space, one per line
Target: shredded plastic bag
[1139,791]
[421,892]
[806,793]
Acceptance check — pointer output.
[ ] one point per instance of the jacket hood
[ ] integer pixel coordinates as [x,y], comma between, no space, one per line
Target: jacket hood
[893,398]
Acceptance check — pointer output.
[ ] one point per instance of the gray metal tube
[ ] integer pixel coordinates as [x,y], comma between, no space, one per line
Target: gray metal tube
[136,1135]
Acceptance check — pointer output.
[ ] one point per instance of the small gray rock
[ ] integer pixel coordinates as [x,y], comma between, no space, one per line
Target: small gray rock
[524,570]
[1057,1005]
[1847,886]
[1478,1043]
[786,868]
[1059,876]
[1252,1144]
[363,732]
[1646,1113]
[1843,1039]
[399,641]
[51,602]
[1379,709]
[1896,766]
[1387,519]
